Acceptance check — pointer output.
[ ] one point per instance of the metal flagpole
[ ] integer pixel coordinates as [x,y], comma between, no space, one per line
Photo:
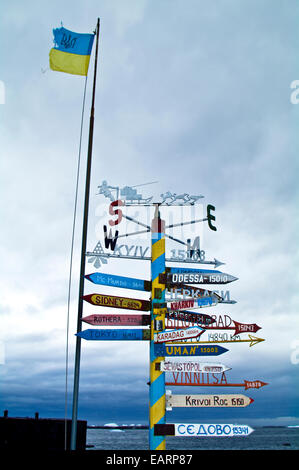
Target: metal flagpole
[83,250]
[157,410]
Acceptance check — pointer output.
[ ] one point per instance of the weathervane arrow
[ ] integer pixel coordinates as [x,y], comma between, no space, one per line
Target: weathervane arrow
[216,262]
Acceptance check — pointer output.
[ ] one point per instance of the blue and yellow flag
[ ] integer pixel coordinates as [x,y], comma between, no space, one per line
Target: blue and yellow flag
[71,51]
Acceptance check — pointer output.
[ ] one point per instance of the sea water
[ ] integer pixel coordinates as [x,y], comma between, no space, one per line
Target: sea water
[263,438]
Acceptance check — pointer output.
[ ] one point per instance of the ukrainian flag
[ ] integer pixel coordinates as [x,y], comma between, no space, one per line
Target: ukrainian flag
[71,51]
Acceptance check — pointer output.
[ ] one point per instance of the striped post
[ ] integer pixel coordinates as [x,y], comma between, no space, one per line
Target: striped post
[157,408]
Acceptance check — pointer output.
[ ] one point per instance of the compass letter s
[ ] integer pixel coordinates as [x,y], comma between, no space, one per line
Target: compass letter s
[117,212]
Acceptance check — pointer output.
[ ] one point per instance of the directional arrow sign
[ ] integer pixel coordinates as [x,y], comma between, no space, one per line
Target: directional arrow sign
[202,430]
[203,379]
[119,281]
[162,350]
[207,401]
[118,320]
[197,276]
[114,335]
[186,333]
[253,384]
[252,340]
[191,366]
[245,327]
[194,317]
[198,302]
[239,327]
[117,302]
[188,291]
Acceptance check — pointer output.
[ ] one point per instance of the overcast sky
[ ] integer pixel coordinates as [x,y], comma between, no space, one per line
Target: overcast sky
[194,95]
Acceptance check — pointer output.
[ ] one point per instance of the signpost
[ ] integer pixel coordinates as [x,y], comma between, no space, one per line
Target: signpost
[252,340]
[157,400]
[203,430]
[192,366]
[191,291]
[187,333]
[197,276]
[201,379]
[119,281]
[194,317]
[118,320]
[188,350]
[115,335]
[166,340]
[117,302]
[181,304]
[206,401]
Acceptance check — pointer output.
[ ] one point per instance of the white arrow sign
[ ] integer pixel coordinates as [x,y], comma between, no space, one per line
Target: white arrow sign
[202,430]
[192,366]
[174,335]
[206,401]
[209,430]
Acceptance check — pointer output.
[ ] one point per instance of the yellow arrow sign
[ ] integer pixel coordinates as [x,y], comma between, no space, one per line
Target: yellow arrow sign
[252,340]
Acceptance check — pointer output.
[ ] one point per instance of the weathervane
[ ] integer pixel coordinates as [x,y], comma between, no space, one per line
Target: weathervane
[131,197]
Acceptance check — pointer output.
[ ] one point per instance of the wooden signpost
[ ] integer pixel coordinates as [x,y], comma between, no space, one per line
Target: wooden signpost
[166,336]
[118,320]
[206,401]
[161,277]
[117,302]
[203,430]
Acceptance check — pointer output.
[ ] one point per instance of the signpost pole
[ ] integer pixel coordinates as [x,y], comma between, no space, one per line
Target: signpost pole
[83,251]
[157,400]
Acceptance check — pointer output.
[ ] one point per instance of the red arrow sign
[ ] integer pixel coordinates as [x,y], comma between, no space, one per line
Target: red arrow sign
[245,327]
[200,379]
[253,384]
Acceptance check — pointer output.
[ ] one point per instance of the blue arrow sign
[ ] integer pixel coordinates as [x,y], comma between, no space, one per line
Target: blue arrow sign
[115,335]
[188,350]
[119,281]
